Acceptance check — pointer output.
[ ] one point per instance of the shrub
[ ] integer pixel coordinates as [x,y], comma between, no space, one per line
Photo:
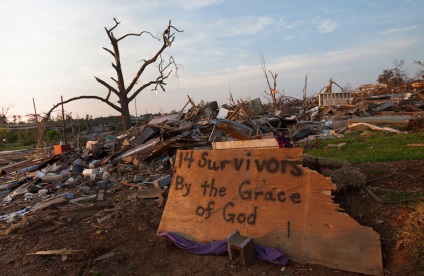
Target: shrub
[27,137]
[52,135]
[7,136]
[342,173]
[348,178]
[321,164]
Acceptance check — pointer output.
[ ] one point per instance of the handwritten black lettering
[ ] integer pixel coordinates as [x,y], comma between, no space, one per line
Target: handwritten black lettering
[281,196]
[246,195]
[200,210]
[295,198]
[270,196]
[180,185]
[283,164]
[223,163]
[241,217]
[272,165]
[238,163]
[212,165]
[296,170]
[260,166]
[188,158]
[258,194]
[201,163]
[213,191]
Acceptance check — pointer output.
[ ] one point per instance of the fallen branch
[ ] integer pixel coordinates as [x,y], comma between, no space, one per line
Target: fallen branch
[373,195]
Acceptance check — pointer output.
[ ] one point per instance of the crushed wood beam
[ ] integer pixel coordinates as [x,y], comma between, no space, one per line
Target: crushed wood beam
[191,101]
[234,132]
[46,204]
[233,114]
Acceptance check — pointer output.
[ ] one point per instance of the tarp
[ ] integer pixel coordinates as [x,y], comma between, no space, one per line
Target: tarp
[272,255]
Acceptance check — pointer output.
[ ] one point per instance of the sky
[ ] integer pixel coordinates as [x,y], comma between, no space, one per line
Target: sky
[53,48]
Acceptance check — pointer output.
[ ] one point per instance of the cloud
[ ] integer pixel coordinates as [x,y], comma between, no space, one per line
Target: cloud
[294,24]
[192,5]
[287,38]
[327,26]
[244,25]
[400,30]
[245,79]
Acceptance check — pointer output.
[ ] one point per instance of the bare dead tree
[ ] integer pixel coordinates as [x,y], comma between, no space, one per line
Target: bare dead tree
[126,94]
[420,72]
[3,114]
[272,93]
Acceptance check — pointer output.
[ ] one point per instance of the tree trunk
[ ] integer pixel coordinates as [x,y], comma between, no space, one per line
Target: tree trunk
[125,114]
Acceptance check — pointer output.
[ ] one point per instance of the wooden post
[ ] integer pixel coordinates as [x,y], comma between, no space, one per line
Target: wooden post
[304,96]
[35,111]
[136,115]
[63,122]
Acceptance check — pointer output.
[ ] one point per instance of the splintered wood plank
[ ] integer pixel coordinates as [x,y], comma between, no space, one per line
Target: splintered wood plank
[236,133]
[258,143]
[266,194]
[46,204]
[58,252]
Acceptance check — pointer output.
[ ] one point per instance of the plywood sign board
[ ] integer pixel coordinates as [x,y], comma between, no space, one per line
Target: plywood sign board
[266,194]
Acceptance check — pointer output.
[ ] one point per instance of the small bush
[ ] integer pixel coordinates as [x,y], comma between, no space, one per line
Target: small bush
[27,137]
[52,135]
[344,175]
[7,136]
[321,164]
[348,178]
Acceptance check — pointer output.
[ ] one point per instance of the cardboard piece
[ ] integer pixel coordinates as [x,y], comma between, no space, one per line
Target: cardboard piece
[266,194]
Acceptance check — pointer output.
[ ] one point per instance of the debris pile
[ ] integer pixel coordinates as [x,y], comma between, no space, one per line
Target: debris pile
[143,157]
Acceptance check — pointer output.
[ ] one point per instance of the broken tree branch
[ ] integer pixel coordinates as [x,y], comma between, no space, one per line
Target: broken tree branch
[117,108]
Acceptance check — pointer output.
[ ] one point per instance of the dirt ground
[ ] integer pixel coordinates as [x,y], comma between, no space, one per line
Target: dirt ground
[125,243]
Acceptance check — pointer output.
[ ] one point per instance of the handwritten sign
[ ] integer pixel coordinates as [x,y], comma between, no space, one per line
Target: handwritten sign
[266,194]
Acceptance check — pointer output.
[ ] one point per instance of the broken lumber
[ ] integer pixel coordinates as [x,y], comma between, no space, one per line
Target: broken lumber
[46,204]
[259,143]
[58,252]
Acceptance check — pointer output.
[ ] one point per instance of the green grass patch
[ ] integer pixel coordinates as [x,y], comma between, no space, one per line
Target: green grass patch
[379,172]
[401,197]
[132,268]
[378,147]
[14,146]
[96,272]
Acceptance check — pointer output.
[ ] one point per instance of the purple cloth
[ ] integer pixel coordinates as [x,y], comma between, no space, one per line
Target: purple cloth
[212,248]
[283,141]
[272,255]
